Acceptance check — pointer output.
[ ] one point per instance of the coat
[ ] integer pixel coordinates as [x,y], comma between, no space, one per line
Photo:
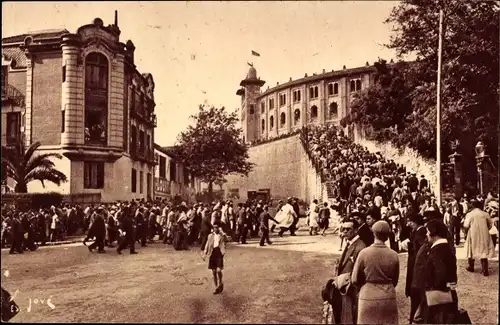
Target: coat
[366,234]
[376,274]
[439,270]
[346,265]
[478,243]
[418,238]
[209,247]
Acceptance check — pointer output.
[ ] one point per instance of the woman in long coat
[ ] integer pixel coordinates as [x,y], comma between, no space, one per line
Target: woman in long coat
[376,273]
[478,244]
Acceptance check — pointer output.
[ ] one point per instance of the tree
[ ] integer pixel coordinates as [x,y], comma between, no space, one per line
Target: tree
[22,165]
[213,147]
[470,74]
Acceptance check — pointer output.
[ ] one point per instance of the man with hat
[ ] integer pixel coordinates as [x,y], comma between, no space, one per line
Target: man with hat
[264,226]
[98,230]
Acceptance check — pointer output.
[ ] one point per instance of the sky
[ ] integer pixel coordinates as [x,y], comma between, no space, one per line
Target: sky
[197,52]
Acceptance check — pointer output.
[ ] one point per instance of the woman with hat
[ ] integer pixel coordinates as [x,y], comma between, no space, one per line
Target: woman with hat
[376,273]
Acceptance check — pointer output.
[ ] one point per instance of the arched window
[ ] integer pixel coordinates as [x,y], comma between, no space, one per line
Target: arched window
[263,125]
[316,92]
[96,99]
[314,112]
[282,119]
[335,88]
[296,116]
[333,110]
[271,123]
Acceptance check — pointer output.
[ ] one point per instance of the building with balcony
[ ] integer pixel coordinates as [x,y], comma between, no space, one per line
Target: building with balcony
[312,100]
[81,95]
[172,178]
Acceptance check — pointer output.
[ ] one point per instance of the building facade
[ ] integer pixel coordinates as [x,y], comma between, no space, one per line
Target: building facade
[171,178]
[313,100]
[80,95]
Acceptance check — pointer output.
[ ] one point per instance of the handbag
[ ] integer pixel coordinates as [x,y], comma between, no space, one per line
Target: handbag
[438,297]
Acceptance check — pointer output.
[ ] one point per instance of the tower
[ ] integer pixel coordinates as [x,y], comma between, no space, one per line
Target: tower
[249,91]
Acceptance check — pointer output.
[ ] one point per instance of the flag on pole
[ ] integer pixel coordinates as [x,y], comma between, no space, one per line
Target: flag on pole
[255,53]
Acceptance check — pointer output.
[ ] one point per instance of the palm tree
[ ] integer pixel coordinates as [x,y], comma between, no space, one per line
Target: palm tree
[22,165]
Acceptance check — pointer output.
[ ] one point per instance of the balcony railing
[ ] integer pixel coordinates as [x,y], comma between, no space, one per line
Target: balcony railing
[11,93]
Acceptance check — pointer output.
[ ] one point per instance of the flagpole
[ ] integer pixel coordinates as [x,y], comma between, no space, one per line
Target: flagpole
[438,111]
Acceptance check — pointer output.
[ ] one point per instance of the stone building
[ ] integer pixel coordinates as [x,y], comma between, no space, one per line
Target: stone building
[317,99]
[81,95]
[171,178]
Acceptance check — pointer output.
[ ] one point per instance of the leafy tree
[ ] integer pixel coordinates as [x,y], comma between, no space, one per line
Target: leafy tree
[213,147]
[470,74]
[22,165]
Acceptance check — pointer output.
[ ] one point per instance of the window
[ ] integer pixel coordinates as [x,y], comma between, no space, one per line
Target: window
[271,103]
[330,89]
[314,112]
[263,125]
[282,99]
[252,109]
[296,116]
[133,141]
[93,175]
[282,119]
[134,180]
[186,177]
[141,181]
[13,127]
[313,92]
[148,184]
[163,167]
[333,110]
[296,96]
[5,73]
[148,145]
[358,85]
[335,88]
[173,171]
[64,73]
[96,99]
[262,107]
[141,142]
[63,124]
[271,123]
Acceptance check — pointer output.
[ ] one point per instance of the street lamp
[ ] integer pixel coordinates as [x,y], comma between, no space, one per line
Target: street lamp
[479,164]
[438,110]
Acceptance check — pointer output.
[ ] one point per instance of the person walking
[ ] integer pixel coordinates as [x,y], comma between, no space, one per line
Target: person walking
[478,244]
[376,274]
[98,230]
[215,250]
[440,305]
[312,219]
[264,226]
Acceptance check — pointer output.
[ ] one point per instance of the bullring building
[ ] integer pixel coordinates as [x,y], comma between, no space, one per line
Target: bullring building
[80,95]
[312,100]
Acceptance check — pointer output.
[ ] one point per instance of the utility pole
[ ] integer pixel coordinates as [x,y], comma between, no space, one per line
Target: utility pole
[438,111]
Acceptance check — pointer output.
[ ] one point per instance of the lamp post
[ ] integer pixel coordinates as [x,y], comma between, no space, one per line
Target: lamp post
[479,164]
[438,111]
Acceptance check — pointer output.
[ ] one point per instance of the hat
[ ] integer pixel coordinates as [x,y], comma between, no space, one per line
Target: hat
[417,218]
[381,227]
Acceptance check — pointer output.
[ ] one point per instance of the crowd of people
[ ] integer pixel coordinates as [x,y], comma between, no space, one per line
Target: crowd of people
[381,209]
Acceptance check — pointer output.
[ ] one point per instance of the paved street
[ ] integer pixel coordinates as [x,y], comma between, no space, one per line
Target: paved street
[276,284]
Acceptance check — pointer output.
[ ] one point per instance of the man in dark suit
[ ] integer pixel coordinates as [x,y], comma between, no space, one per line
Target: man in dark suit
[417,238]
[127,225]
[98,230]
[345,309]
[413,182]
[423,183]
[364,232]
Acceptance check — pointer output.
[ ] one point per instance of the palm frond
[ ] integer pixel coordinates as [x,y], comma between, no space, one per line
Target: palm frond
[46,174]
[28,153]
[41,160]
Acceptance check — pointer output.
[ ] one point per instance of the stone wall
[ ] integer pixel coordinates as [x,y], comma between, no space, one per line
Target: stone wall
[281,166]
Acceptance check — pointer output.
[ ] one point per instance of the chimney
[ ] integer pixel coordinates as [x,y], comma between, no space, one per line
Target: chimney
[116,18]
